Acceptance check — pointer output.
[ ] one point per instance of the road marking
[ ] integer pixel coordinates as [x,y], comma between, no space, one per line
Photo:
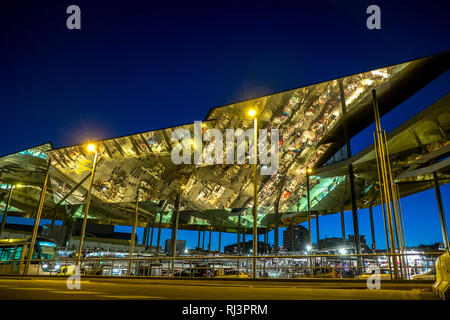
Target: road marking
[131,297]
[78,292]
[16,288]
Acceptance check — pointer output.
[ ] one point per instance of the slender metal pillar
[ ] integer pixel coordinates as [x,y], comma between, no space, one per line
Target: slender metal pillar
[372,229]
[309,207]
[86,211]
[159,232]
[343,226]
[255,199]
[37,220]
[209,241]
[220,236]
[144,238]
[239,234]
[277,218]
[317,230]
[243,240]
[174,238]
[5,212]
[441,211]
[203,241]
[266,241]
[275,231]
[133,233]
[351,176]
[177,216]
[308,196]
[150,243]
[198,245]
[384,181]
[291,234]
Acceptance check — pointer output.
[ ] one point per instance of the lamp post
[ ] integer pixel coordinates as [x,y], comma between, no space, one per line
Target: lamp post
[177,215]
[308,171]
[91,148]
[252,113]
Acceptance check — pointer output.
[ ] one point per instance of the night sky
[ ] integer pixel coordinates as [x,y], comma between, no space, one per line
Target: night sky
[136,66]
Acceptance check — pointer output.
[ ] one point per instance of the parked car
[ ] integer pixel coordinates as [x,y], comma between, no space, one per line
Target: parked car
[322,273]
[194,273]
[234,274]
[384,274]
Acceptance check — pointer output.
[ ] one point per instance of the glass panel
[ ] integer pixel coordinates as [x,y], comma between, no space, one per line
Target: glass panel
[18,253]
[6,253]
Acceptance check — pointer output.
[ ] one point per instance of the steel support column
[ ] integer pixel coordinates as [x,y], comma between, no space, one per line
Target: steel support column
[220,235]
[441,211]
[317,231]
[343,226]
[5,212]
[255,199]
[37,220]
[309,207]
[144,237]
[203,241]
[86,211]
[209,241]
[133,233]
[174,238]
[350,174]
[150,240]
[238,247]
[158,239]
[277,219]
[372,229]
[291,233]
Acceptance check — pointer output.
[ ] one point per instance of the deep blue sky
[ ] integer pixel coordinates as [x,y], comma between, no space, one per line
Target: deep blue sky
[137,66]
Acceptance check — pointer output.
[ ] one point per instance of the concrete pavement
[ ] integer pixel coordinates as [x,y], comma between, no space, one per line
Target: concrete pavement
[156,289]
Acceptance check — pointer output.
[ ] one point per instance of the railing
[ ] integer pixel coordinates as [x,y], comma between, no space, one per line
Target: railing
[349,266]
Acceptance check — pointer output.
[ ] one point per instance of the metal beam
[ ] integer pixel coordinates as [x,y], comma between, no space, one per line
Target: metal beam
[441,211]
[5,212]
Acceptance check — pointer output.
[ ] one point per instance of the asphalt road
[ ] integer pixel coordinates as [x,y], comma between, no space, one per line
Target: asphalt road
[152,289]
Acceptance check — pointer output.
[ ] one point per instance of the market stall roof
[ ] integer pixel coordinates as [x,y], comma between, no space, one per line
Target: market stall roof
[310,123]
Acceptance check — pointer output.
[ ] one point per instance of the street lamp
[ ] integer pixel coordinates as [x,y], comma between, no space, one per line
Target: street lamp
[252,113]
[91,148]
[308,171]
[177,215]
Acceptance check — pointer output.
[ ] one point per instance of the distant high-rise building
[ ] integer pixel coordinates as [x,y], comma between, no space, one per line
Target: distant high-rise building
[295,238]
[180,246]
[334,245]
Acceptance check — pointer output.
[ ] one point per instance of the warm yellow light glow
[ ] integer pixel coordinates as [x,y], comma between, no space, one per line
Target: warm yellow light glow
[91,147]
[309,170]
[183,187]
[18,186]
[252,112]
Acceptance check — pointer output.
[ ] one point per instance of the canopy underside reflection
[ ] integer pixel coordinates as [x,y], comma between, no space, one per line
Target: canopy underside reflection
[309,120]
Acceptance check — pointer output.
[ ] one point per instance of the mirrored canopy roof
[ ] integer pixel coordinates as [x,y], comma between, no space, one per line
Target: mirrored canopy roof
[310,122]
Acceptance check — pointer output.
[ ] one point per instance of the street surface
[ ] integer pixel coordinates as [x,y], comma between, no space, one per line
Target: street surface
[156,289]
